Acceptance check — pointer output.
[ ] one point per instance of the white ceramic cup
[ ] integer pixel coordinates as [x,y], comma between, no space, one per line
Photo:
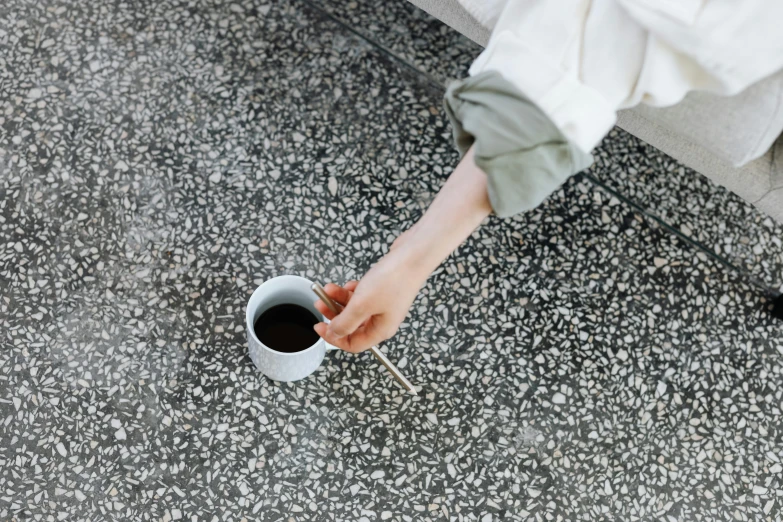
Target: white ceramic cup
[283,366]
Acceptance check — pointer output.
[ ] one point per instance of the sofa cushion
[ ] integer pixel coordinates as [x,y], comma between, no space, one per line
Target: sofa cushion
[737,129]
[455,16]
[759,182]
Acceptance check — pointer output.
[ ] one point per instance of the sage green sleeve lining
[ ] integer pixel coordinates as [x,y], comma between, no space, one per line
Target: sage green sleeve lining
[524,155]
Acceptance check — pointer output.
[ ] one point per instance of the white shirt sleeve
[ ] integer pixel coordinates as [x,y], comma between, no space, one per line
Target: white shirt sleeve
[582,60]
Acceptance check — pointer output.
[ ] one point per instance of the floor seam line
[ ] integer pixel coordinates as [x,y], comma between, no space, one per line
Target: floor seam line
[751,278]
[385,50]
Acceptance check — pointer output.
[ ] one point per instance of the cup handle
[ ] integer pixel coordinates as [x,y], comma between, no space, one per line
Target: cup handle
[329,347]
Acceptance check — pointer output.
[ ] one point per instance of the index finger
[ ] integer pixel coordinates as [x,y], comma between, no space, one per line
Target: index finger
[338,293]
[364,337]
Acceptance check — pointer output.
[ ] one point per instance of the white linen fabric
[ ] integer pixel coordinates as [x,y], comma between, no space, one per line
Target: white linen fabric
[581,61]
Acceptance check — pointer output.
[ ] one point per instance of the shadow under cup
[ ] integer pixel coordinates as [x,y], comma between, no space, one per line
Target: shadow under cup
[283,366]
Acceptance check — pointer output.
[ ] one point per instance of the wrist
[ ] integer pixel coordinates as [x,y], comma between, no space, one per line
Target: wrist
[460,207]
[426,247]
[416,260]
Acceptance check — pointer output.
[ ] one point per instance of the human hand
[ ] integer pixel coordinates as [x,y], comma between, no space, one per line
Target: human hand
[374,306]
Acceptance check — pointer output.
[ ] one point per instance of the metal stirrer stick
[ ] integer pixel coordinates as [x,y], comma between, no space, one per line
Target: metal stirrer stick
[336,308]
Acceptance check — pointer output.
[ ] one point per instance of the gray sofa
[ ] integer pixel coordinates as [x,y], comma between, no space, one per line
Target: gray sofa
[735,141]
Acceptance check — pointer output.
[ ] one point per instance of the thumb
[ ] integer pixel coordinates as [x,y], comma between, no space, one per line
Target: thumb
[351,318]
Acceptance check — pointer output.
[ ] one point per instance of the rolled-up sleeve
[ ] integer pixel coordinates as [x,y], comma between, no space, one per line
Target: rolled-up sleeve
[524,155]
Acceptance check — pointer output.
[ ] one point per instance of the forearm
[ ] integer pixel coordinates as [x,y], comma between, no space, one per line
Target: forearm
[458,209]
[378,303]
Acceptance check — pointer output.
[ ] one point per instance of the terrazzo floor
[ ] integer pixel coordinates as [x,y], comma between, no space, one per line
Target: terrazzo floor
[158,160]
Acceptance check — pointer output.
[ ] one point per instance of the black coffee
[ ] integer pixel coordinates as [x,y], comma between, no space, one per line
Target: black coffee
[287,328]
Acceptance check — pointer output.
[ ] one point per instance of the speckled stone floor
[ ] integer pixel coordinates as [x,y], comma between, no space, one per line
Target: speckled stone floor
[160,159]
